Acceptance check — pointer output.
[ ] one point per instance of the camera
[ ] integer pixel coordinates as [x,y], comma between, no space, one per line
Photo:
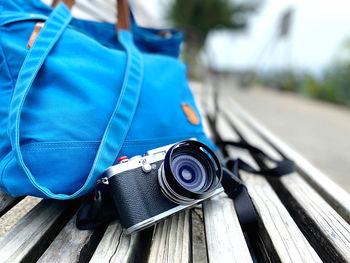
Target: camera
[166,180]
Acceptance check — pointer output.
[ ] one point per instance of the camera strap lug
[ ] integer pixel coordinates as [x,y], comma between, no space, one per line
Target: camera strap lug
[97,192]
[103,180]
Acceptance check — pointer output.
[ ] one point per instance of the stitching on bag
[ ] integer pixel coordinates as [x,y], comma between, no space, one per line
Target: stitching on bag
[56,149]
[43,146]
[56,143]
[59,146]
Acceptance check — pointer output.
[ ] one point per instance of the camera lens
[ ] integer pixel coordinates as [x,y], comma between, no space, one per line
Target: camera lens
[190,171]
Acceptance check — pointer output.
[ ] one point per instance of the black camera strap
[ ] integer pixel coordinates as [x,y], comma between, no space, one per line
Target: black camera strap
[235,188]
[98,209]
[232,183]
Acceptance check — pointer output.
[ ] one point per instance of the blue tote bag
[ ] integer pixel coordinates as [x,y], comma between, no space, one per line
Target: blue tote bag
[81,96]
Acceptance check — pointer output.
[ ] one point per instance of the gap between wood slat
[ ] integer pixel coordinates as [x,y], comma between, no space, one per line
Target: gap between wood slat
[171,240]
[280,235]
[33,233]
[337,197]
[115,246]
[300,199]
[72,244]
[7,202]
[224,242]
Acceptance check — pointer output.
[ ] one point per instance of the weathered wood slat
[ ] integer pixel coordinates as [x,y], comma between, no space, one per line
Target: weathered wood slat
[7,202]
[32,234]
[12,216]
[338,198]
[287,240]
[72,244]
[225,240]
[325,229]
[199,246]
[115,246]
[224,236]
[171,241]
[282,238]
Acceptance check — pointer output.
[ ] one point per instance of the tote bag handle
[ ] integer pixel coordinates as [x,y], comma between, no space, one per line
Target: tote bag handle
[123,12]
[122,115]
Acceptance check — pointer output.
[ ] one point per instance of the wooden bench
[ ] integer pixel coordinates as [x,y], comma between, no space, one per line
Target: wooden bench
[303,217]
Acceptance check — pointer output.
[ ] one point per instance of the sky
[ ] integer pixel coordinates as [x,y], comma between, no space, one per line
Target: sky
[318,30]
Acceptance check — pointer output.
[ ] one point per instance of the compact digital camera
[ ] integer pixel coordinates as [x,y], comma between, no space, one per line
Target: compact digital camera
[147,189]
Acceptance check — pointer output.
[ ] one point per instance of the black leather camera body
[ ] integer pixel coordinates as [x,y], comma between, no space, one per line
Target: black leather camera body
[147,189]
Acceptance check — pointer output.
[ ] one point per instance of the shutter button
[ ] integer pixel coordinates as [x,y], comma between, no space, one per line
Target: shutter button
[122,159]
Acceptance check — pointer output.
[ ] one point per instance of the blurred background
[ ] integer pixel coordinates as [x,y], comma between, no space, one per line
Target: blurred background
[285,62]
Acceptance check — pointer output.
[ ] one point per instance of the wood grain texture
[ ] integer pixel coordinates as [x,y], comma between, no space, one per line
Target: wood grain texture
[32,234]
[225,239]
[7,202]
[287,239]
[224,236]
[199,246]
[325,229]
[117,247]
[281,235]
[337,197]
[72,244]
[171,240]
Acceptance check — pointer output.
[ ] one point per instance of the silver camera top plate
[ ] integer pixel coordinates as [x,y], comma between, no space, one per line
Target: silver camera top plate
[149,158]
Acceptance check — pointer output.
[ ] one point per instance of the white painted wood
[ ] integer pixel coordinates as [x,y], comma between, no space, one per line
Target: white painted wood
[334,194]
[313,212]
[28,237]
[171,241]
[116,246]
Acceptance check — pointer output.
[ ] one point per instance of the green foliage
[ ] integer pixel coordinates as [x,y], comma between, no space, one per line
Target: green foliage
[333,87]
[310,86]
[283,80]
[198,17]
[286,81]
[337,83]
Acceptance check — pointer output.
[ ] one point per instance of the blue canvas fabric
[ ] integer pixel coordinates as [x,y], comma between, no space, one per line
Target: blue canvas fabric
[80,97]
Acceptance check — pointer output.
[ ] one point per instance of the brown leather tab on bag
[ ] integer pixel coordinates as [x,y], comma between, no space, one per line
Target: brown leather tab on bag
[38,26]
[191,114]
[69,3]
[123,15]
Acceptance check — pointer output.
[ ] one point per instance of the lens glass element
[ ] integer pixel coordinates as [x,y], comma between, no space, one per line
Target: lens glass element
[189,172]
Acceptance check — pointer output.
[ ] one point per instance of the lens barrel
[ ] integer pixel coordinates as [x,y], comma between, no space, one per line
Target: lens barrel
[190,171]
